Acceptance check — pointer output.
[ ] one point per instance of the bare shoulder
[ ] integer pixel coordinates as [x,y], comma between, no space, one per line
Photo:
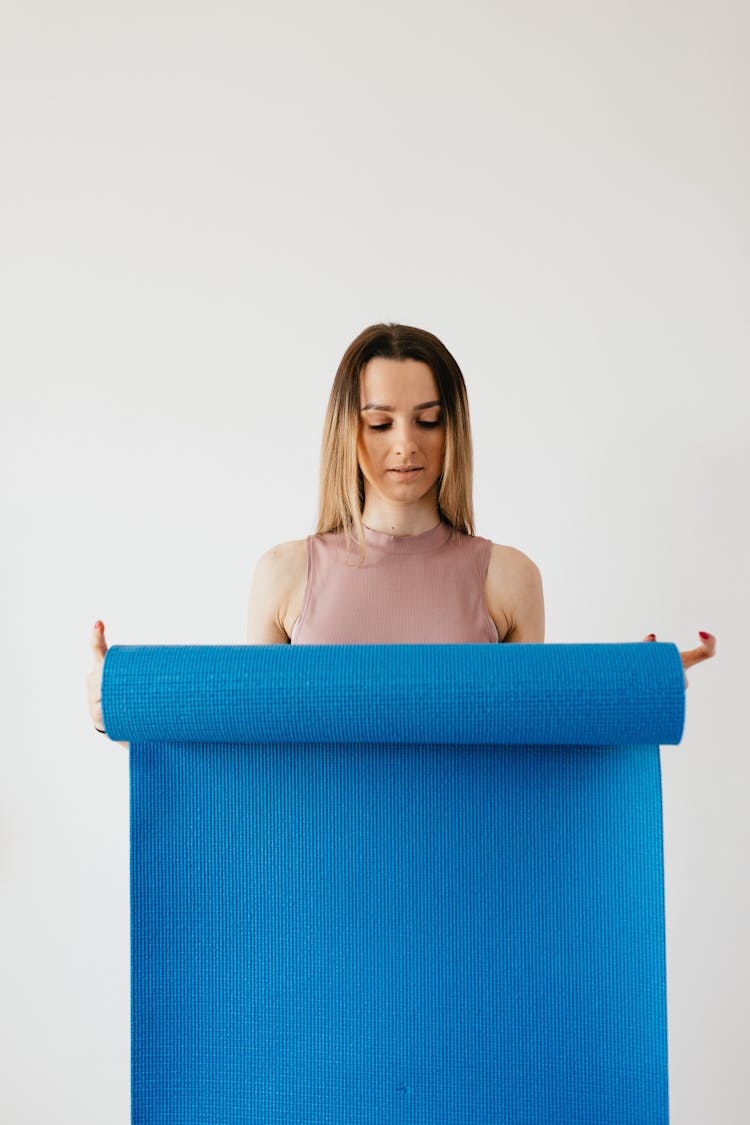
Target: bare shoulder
[514,592]
[509,560]
[278,580]
[284,557]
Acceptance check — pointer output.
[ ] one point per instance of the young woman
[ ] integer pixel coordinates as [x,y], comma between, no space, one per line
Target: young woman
[394,559]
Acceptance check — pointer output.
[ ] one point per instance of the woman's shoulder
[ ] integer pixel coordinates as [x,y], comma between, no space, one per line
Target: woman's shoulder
[504,556]
[283,559]
[278,580]
[285,550]
[513,590]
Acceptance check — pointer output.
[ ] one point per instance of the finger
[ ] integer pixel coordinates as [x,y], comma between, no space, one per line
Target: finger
[704,651]
[709,642]
[94,693]
[694,656]
[94,688]
[650,637]
[94,698]
[98,643]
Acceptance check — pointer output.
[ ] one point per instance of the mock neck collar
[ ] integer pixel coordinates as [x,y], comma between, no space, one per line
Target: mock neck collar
[383,542]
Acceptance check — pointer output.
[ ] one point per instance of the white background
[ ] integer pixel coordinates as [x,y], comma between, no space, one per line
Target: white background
[202,205]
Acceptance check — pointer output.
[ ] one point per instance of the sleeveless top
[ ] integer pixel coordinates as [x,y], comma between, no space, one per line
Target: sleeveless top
[411,589]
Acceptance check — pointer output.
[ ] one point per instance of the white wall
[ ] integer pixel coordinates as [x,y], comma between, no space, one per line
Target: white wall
[202,204]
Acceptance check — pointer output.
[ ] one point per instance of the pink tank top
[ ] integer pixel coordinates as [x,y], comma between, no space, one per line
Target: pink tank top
[411,589]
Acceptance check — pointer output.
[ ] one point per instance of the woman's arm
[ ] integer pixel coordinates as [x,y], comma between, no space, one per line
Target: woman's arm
[275,592]
[516,604]
[515,598]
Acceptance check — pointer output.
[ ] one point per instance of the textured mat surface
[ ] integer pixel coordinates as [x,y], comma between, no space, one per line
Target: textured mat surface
[384,884]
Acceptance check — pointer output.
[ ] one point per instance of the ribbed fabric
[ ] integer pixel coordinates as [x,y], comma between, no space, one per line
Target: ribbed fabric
[396,925]
[411,589]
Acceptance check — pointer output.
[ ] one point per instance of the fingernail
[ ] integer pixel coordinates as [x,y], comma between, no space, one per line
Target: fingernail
[704,635]
[651,637]
[98,624]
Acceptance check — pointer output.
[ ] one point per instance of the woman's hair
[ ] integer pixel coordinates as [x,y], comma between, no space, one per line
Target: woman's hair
[342,489]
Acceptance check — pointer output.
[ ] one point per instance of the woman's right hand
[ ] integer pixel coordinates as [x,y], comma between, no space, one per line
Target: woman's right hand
[94,679]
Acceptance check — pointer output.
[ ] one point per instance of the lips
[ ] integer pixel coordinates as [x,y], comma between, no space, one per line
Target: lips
[406,472]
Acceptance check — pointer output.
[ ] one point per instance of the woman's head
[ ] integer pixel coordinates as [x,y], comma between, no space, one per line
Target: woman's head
[385,362]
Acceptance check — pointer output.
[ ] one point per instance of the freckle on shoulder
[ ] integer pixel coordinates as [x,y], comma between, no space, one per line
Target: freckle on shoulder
[285,557]
[279,550]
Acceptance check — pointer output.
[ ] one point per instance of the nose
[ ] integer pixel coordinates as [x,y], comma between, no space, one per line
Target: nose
[404,438]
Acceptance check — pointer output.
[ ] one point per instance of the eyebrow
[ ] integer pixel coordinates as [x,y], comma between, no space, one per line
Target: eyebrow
[379,406]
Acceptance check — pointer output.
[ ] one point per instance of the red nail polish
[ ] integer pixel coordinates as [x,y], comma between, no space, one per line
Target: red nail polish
[652,636]
[704,635]
[98,624]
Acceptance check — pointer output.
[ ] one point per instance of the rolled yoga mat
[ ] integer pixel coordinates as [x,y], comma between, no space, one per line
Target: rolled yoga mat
[386,884]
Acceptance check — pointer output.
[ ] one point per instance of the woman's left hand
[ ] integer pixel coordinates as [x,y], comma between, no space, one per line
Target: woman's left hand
[704,651]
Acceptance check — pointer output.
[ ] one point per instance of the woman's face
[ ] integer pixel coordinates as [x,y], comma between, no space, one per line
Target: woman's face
[400,428]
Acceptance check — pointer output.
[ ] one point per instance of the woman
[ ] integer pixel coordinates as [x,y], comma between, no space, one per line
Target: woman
[394,558]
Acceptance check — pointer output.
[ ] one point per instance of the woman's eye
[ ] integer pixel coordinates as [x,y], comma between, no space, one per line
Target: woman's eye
[385,425]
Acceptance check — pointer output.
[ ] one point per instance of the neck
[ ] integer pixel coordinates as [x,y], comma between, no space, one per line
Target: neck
[400,519]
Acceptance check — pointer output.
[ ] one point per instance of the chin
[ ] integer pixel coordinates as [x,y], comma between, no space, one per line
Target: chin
[415,489]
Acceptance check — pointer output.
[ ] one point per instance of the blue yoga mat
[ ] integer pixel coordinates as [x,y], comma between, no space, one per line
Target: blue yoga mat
[398,883]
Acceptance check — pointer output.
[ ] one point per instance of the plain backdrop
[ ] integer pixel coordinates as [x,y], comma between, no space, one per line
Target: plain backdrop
[202,205]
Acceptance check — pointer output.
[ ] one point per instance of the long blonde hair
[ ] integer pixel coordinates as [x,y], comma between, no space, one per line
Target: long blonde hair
[342,489]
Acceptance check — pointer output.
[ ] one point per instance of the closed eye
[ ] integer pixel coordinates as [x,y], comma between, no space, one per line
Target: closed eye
[385,425]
